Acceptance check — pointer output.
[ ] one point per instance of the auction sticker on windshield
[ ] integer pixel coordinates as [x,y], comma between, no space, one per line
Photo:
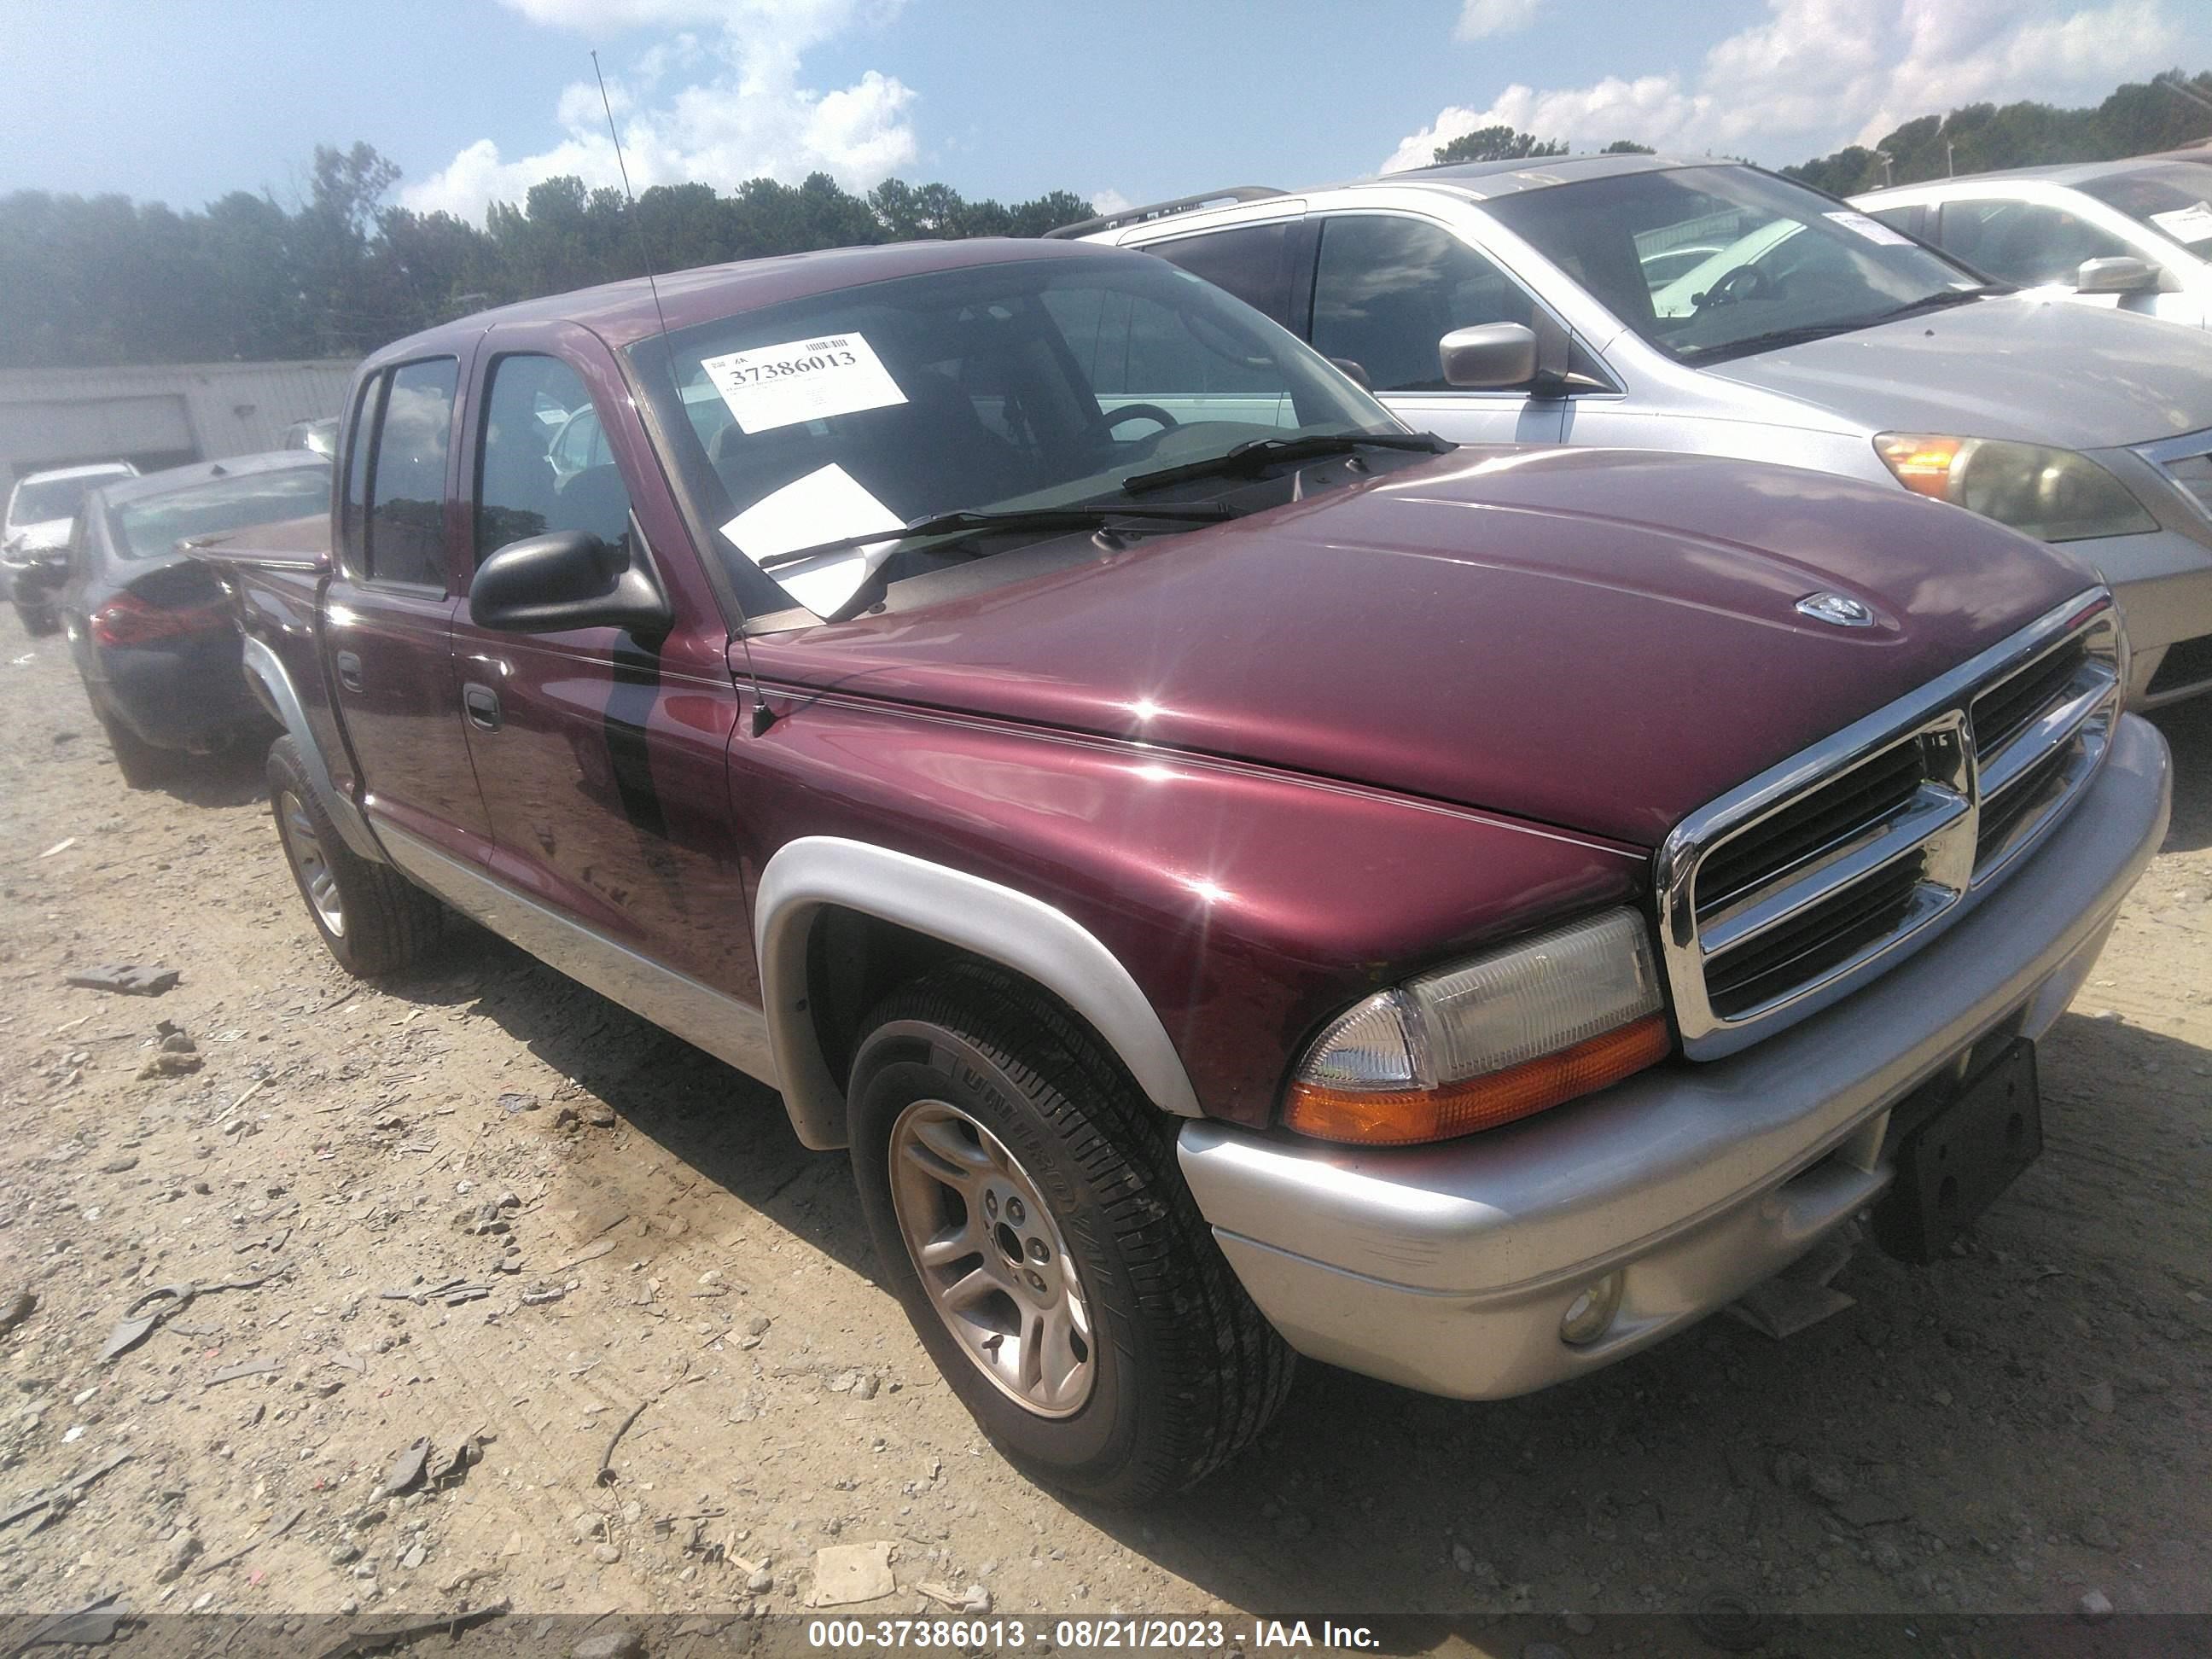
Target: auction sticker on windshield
[827,505]
[2191,224]
[769,387]
[1873,229]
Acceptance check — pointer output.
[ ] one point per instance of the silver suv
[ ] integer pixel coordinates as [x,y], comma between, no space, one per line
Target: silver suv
[1640,302]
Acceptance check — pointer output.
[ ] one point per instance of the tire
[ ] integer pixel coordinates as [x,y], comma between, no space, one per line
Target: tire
[141,763]
[38,620]
[372,919]
[1170,1370]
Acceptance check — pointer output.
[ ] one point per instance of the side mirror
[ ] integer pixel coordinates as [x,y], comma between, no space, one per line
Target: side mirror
[1493,356]
[2122,274]
[570,579]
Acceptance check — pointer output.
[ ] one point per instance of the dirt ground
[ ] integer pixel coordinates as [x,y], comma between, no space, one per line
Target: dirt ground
[2024,1424]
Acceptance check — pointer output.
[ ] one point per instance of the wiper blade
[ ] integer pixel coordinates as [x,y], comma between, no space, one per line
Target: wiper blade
[1942,300]
[1259,453]
[974,523]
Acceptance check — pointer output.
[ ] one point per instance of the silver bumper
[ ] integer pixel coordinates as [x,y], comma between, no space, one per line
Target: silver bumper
[1448,1268]
[2163,583]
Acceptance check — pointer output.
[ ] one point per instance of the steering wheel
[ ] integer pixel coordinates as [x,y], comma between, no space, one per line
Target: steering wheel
[1743,282]
[1102,429]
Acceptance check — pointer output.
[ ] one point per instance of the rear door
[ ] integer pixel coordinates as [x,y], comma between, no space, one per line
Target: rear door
[388,613]
[602,755]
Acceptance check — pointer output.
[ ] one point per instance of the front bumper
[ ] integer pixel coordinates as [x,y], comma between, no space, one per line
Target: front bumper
[1448,1268]
[2163,581]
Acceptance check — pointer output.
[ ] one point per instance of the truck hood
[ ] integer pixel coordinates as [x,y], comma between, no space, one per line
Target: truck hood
[1561,635]
[2034,370]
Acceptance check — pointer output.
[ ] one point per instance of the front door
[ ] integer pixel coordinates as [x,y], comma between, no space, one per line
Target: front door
[602,756]
[1387,288]
[388,612]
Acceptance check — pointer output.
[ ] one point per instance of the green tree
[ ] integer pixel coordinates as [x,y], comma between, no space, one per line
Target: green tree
[1498,143]
[1627,147]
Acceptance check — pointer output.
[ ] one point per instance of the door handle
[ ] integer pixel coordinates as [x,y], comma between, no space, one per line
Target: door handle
[482,705]
[348,667]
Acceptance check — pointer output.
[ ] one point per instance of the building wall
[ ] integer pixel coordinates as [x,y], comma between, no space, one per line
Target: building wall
[158,415]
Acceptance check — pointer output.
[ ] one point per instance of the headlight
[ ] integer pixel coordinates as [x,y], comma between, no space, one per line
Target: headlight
[2055,494]
[1487,1042]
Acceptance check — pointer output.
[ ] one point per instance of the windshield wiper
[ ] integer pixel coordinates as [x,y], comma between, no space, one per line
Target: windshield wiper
[973,523]
[1254,457]
[1943,300]
[1805,331]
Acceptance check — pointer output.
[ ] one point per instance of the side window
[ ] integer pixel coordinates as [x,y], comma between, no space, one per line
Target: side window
[2029,243]
[1135,348]
[362,434]
[1386,290]
[1251,263]
[406,524]
[1906,219]
[545,465]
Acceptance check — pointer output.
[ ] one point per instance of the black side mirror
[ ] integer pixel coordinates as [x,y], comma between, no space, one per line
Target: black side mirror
[570,579]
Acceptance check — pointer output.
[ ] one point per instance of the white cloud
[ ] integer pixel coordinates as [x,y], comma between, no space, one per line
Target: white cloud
[718,106]
[1480,19]
[1110,202]
[1816,74]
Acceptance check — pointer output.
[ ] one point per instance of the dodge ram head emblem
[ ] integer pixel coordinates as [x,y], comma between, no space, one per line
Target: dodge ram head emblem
[1838,609]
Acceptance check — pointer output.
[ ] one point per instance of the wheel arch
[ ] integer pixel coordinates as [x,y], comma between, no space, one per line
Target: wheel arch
[820,876]
[269,679]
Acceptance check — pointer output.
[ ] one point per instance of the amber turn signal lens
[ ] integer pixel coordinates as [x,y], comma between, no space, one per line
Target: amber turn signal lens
[1406,1117]
[1922,463]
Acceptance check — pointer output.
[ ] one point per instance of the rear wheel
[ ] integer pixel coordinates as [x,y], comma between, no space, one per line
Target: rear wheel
[1021,1194]
[37,619]
[371,918]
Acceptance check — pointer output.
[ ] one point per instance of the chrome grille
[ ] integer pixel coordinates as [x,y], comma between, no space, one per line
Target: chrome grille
[1808,881]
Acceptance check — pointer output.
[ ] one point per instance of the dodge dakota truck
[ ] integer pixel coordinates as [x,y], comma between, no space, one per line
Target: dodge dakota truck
[1243,878]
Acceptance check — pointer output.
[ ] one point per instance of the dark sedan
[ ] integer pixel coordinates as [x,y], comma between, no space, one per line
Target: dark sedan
[146,624]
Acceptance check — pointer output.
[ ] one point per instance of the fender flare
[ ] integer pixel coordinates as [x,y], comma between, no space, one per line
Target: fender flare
[265,669]
[990,920]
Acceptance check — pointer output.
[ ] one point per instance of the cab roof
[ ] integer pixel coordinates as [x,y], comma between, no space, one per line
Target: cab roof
[622,313]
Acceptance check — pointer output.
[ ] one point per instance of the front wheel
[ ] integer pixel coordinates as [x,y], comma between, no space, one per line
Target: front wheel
[1022,1193]
[371,918]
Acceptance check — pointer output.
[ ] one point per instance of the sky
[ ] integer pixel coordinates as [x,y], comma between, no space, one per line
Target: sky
[1134,100]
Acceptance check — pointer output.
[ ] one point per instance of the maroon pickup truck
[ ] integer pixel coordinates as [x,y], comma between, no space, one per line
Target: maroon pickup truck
[1241,878]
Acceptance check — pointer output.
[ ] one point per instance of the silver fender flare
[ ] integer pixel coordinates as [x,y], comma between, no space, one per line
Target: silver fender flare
[996,922]
[266,669]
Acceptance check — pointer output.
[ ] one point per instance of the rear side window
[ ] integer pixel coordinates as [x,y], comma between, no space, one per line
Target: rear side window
[406,517]
[545,465]
[2030,243]
[1252,263]
[1387,290]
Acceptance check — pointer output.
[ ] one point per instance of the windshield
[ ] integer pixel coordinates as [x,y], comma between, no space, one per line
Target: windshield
[1778,262]
[996,387]
[35,502]
[147,528]
[2174,201]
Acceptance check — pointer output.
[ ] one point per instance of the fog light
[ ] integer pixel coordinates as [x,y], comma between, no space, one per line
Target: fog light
[1590,1313]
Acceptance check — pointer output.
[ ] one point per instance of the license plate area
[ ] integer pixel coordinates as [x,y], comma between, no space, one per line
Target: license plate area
[1954,1160]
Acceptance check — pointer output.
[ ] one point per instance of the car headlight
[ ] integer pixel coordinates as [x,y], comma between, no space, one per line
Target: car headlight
[1488,1040]
[2054,495]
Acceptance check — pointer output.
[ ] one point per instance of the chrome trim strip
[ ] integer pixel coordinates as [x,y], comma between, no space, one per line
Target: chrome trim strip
[999,923]
[2183,446]
[725,1027]
[1939,717]
[264,664]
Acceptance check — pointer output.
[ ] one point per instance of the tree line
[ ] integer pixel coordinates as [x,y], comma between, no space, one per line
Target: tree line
[86,280]
[2137,119]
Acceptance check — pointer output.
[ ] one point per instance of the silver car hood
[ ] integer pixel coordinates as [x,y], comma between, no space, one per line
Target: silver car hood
[2033,370]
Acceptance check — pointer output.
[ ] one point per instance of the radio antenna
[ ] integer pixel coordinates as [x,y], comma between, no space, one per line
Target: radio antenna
[763,716]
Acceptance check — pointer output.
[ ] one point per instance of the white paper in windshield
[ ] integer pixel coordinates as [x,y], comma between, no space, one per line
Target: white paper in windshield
[1873,229]
[2191,224]
[825,506]
[769,387]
